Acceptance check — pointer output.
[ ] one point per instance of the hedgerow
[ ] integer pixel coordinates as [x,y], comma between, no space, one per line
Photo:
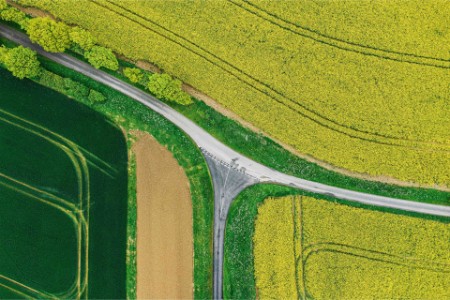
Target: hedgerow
[51,35]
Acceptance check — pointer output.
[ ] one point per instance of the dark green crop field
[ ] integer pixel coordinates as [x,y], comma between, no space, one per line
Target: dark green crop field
[63,197]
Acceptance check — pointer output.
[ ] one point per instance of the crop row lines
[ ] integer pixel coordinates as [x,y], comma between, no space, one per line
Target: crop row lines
[340,43]
[374,255]
[267,89]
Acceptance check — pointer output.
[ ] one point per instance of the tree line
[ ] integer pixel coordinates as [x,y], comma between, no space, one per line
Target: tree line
[57,37]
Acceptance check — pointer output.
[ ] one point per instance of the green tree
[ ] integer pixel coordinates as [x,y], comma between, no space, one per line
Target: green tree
[12,14]
[134,74]
[102,57]
[174,92]
[51,35]
[157,83]
[96,97]
[22,62]
[164,86]
[82,38]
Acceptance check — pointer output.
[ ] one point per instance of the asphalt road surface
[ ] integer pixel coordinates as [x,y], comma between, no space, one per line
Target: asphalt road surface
[223,154]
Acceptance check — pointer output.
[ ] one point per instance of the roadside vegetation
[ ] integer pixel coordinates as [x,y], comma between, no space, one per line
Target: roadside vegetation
[366,112]
[331,249]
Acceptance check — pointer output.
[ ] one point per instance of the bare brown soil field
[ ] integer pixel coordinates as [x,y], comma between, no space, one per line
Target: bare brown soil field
[164,224]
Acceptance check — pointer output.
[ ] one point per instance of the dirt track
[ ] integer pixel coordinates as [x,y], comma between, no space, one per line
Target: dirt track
[164,224]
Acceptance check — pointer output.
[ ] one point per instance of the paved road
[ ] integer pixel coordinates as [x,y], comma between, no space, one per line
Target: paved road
[223,155]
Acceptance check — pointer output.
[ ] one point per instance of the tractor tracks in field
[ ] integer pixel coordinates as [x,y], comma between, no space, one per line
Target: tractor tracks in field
[372,255]
[78,213]
[340,43]
[268,90]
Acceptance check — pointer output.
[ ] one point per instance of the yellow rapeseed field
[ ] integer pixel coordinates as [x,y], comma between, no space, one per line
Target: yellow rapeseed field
[275,270]
[363,87]
[348,252]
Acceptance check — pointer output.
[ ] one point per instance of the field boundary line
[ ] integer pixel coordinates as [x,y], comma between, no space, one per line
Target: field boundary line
[301,109]
[340,43]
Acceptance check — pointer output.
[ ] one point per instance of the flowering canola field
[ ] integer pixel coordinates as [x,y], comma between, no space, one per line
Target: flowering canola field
[305,247]
[342,83]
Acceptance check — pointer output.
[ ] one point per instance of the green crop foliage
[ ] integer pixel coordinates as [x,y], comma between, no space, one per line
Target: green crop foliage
[51,35]
[102,57]
[39,130]
[21,62]
[356,108]
[326,250]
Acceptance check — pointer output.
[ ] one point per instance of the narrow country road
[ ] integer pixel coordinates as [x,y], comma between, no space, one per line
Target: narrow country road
[222,154]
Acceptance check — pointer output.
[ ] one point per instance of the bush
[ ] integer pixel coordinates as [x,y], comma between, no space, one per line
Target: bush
[96,97]
[51,80]
[75,89]
[51,35]
[102,57]
[133,74]
[21,62]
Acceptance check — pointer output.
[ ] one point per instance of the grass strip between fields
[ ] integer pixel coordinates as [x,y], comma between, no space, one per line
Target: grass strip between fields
[131,221]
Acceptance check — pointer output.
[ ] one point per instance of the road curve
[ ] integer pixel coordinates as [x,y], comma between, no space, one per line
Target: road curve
[216,149]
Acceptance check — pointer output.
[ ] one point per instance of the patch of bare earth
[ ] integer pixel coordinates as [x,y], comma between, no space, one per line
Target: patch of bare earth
[164,224]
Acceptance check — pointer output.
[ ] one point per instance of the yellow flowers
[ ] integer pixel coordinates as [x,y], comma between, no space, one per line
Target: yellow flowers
[274,250]
[355,110]
[343,252]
